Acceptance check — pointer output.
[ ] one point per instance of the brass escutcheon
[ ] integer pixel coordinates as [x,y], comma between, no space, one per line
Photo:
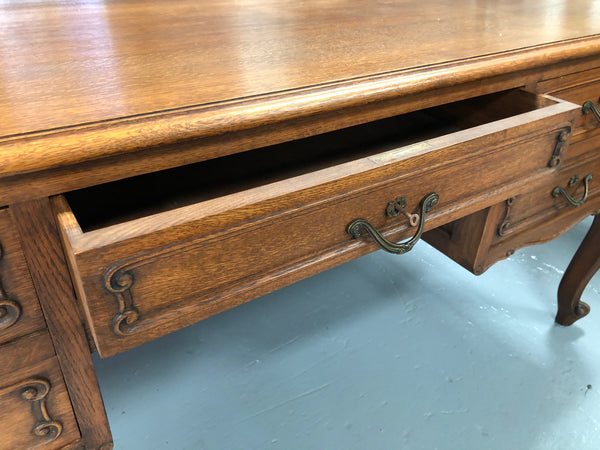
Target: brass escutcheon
[397,207]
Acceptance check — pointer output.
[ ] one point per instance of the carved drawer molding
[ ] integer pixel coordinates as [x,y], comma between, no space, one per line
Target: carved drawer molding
[20,311]
[10,309]
[35,391]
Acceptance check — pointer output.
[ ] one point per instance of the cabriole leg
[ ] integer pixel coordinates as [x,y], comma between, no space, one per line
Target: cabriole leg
[582,268]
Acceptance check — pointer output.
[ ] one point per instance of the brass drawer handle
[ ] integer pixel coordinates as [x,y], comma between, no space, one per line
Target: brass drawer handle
[572,182]
[591,106]
[356,227]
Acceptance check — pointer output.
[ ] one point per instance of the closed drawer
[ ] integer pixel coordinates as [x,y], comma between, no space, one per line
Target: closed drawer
[534,216]
[35,410]
[145,265]
[527,210]
[578,88]
[20,311]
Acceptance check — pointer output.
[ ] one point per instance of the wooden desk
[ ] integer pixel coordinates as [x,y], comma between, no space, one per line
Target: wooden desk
[161,162]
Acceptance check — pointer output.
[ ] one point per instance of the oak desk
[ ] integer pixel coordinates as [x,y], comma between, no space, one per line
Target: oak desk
[161,162]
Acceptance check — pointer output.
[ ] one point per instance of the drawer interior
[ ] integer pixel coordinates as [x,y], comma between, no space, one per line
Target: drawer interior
[154,253]
[108,204]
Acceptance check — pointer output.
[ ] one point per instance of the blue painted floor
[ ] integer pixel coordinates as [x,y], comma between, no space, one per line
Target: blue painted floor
[385,352]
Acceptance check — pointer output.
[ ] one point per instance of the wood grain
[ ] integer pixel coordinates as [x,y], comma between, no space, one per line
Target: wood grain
[203,72]
[135,277]
[468,241]
[578,87]
[33,395]
[41,244]
[528,209]
[531,217]
[94,92]
[19,354]
[140,57]
[272,192]
[21,313]
[534,216]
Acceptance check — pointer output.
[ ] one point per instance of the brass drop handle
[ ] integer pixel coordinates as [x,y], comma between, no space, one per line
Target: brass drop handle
[572,182]
[357,226]
[591,106]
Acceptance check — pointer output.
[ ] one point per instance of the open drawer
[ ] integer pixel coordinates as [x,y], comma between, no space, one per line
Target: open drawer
[154,253]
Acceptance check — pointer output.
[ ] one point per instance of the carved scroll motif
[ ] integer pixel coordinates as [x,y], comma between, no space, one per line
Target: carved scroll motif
[35,391]
[119,279]
[118,282]
[10,309]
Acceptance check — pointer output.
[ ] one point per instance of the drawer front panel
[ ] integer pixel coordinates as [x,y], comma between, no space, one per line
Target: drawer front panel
[578,88]
[35,409]
[580,94]
[535,216]
[525,211]
[20,311]
[136,286]
[19,354]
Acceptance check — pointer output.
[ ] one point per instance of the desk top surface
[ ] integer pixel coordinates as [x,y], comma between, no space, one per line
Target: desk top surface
[67,64]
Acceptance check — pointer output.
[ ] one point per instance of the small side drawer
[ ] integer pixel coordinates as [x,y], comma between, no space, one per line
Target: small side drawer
[578,88]
[35,410]
[534,216]
[144,264]
[20,311]
[527,210]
